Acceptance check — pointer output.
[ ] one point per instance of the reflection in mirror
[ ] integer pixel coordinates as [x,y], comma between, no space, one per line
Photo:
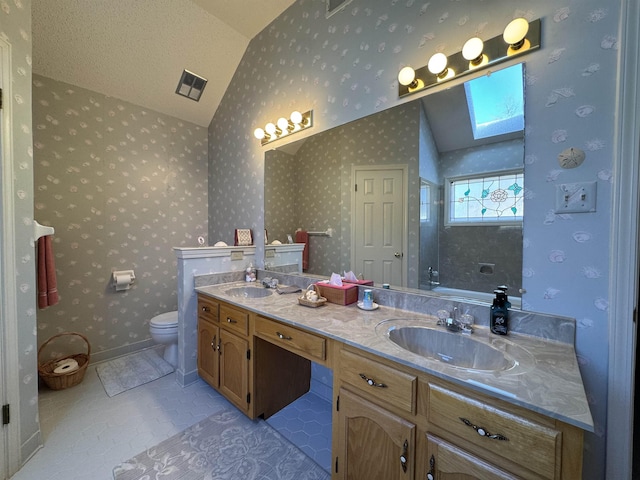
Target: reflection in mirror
[310,185]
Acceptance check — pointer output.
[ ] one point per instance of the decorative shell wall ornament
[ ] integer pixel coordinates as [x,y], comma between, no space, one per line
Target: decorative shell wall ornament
[571,158]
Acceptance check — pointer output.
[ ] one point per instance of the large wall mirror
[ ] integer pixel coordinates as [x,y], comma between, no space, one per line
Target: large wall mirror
[439,198]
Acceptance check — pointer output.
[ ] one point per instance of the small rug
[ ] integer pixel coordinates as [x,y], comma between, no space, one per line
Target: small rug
[130,371]
[225,446]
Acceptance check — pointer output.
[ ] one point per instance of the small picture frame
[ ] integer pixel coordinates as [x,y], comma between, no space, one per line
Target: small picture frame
[243,237]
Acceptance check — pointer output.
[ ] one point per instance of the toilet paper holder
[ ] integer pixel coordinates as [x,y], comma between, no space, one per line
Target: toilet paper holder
[122,279]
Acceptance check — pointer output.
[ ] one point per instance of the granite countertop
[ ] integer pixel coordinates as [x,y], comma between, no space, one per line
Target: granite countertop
[546,378]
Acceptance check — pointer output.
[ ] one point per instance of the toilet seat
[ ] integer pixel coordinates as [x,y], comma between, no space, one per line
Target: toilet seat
[167,320]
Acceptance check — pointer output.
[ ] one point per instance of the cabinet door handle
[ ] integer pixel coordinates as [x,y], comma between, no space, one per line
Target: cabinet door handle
[372,382]
[483,432]
[231,320]
[213,343]
[405,454]
[431,474]
[206,309]
[283,337]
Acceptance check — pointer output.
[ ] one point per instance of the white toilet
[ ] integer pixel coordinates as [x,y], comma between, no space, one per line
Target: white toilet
[164,330]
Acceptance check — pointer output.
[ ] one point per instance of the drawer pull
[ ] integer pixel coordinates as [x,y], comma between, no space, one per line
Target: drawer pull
[283,337]
[371,381]
[206,309]
[231,320]
[431,475]
[405,454]
[481,431]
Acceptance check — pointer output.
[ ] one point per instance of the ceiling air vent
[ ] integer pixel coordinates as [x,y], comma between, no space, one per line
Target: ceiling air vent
[334,6]
[191,85]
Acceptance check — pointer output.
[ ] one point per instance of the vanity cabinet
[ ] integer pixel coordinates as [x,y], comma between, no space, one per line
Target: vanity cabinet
[387,412]
[208,340]
[446,461]
[391,422]
[223,350]
[372,442]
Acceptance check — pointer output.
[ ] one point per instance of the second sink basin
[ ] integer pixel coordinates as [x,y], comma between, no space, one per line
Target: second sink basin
[456,349]
[248,292]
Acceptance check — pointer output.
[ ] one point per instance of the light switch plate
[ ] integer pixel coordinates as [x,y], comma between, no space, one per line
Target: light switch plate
[576,197]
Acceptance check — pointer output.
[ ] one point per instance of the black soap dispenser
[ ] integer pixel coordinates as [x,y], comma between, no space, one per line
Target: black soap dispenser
[499,321]
[505,289]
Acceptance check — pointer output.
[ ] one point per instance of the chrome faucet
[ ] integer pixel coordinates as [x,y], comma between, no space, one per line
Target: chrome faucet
[454,322]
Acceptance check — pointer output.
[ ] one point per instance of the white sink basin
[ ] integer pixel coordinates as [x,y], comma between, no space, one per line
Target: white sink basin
[248,292]
[456,349]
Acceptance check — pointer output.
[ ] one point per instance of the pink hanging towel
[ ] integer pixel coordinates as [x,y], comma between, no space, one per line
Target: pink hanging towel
[47,282]
[303,237]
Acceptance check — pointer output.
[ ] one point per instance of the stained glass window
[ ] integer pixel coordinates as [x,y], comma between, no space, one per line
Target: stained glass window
[489,199]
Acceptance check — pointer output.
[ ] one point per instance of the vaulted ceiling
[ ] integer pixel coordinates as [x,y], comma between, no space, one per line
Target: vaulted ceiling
[136,50]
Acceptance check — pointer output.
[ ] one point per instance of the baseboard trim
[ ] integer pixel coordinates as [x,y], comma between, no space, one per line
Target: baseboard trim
[120,351]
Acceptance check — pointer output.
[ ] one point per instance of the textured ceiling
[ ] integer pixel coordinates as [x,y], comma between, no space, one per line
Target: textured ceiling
[136,50]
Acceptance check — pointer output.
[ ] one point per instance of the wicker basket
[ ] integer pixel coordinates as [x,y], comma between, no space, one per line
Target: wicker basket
[309,303]
[60,381]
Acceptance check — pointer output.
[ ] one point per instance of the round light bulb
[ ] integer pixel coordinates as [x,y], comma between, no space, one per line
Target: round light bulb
[270,128]
[283,124]
[406,76]
[296,117]
[515,32]
[437,63]
[472,49]
[259,133]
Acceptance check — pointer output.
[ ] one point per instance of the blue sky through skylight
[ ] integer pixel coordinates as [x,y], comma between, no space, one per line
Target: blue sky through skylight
[496,102]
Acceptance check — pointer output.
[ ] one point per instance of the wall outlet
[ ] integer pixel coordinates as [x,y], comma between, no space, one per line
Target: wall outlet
[576,197]
[237,255]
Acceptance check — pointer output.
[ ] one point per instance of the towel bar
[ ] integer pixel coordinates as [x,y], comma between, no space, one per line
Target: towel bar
[41,230]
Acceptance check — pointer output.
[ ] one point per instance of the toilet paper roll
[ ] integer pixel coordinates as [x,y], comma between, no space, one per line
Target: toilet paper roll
[66,367]
[122,280]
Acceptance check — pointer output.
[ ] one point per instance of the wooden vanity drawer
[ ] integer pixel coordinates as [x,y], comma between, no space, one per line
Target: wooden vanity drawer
[291,338]
[520,440]
[208,308]
[234,320]
[386,384]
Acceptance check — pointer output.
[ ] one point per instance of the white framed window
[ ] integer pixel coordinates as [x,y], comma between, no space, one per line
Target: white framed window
[488,199]
[425,201]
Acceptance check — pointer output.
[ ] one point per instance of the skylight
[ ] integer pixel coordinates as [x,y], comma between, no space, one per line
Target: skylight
[496,102]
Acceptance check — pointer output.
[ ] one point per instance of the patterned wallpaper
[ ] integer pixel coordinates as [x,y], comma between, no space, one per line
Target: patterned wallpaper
[322,194]
[15,29]
[345,68]
[122,186]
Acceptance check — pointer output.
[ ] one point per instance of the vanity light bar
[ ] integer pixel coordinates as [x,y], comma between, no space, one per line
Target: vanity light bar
[516,40]
[283,127]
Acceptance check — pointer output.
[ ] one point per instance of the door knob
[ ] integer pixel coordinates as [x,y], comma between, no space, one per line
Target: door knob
[398,254]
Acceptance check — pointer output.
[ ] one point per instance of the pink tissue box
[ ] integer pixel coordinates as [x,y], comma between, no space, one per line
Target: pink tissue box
[343,295]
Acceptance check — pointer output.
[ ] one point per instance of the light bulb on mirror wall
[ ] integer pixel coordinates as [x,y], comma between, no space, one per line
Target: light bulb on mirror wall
[259,133]
[270,128]
[283,124]
[438,66]
[515,34]
[472,52]
[296,117]
[407,77]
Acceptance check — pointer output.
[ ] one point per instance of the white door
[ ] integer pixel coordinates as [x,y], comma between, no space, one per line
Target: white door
[4,472]
[9,384]
[379,212]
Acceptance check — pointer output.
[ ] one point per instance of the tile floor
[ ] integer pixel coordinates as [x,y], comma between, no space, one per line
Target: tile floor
[86,433]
